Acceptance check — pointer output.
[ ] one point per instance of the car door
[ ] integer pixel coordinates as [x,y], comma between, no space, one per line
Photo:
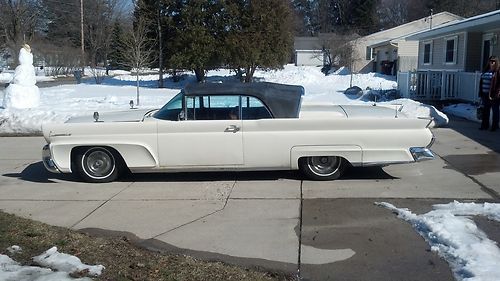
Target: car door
[204,136]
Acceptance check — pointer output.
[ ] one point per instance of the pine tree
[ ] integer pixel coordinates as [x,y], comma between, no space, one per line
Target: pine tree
[198,36]
[115,55]
[259,35]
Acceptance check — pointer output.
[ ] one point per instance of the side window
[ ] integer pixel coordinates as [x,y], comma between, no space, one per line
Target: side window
[451,45]
[192,107]
[213,107]
[427,53]
[253,109]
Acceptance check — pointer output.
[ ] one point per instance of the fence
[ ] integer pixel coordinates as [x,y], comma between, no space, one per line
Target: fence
[439,85]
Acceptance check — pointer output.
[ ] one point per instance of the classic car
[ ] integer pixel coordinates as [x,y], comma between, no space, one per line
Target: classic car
[236,126]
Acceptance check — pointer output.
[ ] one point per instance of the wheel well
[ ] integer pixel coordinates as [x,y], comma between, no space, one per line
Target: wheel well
[303,158]
[78,149]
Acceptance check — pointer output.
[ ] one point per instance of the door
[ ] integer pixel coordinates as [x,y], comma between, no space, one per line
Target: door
[487,50]
[209,135]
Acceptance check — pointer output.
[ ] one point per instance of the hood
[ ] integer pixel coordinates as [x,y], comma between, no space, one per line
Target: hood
[131,115]
[373,111]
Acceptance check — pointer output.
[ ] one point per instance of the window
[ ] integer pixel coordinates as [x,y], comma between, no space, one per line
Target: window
[171,111]
[253,109]
[427,53]
[213,107]
[451,50]
[370,53]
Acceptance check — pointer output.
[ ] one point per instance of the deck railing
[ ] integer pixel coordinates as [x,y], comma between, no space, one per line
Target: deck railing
[439,85]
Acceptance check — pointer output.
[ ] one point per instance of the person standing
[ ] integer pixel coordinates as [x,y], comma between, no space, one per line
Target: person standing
[489,91]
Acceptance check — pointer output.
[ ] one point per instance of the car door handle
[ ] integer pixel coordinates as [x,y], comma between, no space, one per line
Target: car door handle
[232,129]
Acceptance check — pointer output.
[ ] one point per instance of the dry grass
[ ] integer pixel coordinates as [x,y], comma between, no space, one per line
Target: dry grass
[123,261]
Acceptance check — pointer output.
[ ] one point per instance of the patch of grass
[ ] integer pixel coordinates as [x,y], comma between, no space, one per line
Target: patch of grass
[123,261]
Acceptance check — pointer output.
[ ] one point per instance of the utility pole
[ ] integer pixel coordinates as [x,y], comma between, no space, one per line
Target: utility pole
[430,20]
[83,42]
[160,58]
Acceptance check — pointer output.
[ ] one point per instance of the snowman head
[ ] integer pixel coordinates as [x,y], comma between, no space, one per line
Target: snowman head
[27,48]
[25,56]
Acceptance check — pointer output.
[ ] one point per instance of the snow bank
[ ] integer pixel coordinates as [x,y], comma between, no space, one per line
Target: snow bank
[464,110]
[455,237]
[59,265]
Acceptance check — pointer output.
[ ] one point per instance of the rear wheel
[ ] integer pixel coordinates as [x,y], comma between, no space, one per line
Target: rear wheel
[322,167]
[97,164]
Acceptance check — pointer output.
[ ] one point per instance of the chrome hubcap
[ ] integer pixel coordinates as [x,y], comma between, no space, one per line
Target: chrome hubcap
[323,165]
[98,163]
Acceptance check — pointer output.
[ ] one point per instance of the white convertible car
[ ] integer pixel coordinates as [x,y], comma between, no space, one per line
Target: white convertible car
[236,126]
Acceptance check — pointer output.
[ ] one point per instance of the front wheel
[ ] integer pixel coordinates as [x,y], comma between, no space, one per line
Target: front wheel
[322,167]
[97,164]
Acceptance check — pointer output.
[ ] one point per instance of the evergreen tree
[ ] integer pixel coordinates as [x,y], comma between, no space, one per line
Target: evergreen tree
[115,56]
[197,37]
[259,35]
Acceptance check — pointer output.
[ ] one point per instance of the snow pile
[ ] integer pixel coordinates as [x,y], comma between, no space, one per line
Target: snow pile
[464,110]
[455,237]
[6,77]
[22,92]
[60,266]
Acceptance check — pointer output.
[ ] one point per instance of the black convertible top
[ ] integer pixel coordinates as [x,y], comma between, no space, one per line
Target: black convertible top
[282,100]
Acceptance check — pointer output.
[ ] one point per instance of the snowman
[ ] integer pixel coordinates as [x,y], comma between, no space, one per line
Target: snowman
[22,91]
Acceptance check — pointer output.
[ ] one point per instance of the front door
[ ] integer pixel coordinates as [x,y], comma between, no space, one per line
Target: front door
[210,134]
[487,50]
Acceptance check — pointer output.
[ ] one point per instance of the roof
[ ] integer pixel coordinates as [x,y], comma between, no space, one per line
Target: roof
[478,23]
[282,100]
[307,43]
[401,32]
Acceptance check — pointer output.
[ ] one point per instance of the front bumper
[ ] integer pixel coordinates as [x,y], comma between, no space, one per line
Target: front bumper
[421,153]
[47,160]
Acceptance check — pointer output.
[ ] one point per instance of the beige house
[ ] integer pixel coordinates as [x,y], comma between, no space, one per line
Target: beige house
[389,51]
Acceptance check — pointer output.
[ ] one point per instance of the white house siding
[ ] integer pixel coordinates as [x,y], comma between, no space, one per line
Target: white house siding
[361,64]
[439,52]
[309,57]
[407,52]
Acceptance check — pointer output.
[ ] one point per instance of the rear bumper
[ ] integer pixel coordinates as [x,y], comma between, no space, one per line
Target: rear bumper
[47,160]
[421,153]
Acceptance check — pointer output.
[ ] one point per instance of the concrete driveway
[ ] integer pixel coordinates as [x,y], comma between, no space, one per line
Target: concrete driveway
[317,230]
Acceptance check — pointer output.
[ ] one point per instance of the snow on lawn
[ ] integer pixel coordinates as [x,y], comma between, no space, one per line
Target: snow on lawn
[52,266]
[59,103]
[464,110]
[451,233]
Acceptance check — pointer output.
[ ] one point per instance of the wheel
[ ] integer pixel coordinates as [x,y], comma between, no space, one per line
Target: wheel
[97,164]
[322,167]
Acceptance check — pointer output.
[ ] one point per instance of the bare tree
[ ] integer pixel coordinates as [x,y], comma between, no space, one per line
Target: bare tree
[138,53]
[99,18]
[20,20]
[338,49]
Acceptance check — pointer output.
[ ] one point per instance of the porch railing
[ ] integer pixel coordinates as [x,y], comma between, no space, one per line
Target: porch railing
[439,85]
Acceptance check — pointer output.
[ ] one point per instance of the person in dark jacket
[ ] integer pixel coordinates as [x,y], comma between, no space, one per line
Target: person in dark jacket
[489,91]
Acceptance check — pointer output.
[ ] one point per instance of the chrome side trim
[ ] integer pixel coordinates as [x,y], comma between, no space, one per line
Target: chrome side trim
[47,160]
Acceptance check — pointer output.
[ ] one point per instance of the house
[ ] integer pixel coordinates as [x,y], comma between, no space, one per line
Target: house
[451,57]
[389,51]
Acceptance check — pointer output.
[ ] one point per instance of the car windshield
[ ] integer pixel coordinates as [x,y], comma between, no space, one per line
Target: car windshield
[171,110]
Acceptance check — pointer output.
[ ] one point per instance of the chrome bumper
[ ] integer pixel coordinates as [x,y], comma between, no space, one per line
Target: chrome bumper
[421,153]
[47,160]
